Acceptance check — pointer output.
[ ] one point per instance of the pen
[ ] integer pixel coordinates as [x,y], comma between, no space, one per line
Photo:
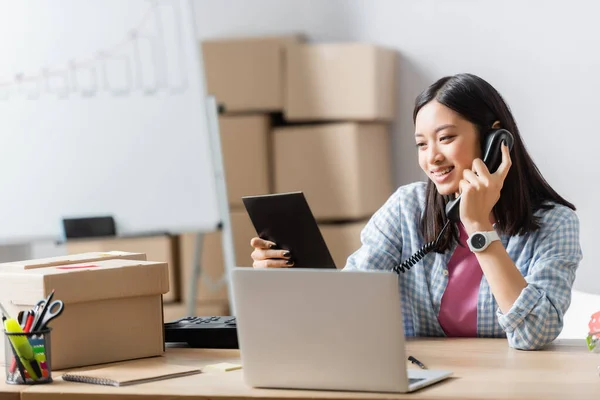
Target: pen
[416,362]
[28,322]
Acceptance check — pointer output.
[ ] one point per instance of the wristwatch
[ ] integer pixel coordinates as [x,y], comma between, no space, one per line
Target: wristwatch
[479,241]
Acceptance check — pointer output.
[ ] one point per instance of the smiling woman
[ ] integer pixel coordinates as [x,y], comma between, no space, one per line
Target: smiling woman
[445,151]
[506,269]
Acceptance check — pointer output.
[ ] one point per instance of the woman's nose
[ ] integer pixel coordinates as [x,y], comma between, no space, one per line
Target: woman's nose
[434,156]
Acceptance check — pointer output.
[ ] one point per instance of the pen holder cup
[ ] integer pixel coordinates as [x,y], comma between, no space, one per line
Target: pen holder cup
[27,357]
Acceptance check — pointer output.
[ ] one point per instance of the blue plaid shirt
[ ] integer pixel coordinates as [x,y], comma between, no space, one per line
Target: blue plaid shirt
[547,258]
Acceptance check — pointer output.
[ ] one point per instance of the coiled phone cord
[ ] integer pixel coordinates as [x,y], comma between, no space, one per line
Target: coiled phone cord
[415,258]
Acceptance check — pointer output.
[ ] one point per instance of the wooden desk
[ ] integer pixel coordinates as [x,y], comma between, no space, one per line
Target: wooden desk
[483,369]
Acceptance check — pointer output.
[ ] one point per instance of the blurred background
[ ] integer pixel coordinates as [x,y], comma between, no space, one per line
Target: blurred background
[318,97]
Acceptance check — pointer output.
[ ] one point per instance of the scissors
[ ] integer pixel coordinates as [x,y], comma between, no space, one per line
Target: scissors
[46,310]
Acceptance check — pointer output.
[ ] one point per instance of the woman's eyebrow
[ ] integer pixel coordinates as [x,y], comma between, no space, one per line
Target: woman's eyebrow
[438,129]
[445,126]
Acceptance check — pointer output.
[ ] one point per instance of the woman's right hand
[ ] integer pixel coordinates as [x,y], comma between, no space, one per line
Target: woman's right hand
[265,256]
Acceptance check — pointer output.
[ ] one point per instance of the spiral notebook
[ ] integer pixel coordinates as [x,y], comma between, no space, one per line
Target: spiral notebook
[130,373]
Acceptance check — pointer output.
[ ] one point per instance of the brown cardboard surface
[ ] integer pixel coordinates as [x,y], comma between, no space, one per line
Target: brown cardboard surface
[86,282]
[246,74]
[344,169]
[245,146]
[212,261]
[106,331]
[74,258]
[156,248]
[342,240]
[340,81]
[112,308]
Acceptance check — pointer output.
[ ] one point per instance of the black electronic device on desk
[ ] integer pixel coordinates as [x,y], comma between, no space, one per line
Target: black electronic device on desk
[214,332]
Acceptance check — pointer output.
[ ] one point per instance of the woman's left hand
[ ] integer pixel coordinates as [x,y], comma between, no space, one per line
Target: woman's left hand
[480,192]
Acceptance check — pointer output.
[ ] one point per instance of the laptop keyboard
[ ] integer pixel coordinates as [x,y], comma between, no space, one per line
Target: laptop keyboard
[415,380]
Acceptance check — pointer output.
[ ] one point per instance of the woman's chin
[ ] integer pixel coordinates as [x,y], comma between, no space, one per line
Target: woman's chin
[446,189]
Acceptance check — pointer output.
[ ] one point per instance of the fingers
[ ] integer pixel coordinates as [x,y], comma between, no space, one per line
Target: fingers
[272,263]
[470,177]
[259,243]
[259,254]
[265,256]
[506,163]
[481,170]
[463,186]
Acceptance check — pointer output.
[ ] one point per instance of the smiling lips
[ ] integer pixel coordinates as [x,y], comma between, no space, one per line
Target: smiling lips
[441,174]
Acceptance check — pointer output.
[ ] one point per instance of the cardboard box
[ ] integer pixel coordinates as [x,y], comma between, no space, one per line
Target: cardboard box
[246,74]
[156,248]
[112,308]
[344,169]
[210,288]
[245,146]
[340,81]
[73,259]
[342,240]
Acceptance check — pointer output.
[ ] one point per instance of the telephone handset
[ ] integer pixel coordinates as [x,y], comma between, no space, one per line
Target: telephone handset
[492,157]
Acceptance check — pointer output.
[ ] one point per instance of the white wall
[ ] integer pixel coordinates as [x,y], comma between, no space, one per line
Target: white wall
[541,55]
[320,19]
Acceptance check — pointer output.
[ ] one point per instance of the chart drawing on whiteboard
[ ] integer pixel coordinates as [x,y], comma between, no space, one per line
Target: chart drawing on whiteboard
[104,113]
[149,58]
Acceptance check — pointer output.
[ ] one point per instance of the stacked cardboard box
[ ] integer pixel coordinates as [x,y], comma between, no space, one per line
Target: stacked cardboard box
[340,156]
[247,75]
[340,82]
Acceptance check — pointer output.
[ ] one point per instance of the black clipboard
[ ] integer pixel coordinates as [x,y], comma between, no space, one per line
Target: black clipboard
[286,219]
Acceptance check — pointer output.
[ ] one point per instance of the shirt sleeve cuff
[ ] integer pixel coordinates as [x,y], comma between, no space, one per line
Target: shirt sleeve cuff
[527,300]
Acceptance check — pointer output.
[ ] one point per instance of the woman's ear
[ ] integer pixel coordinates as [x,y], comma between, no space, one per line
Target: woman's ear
[496,125]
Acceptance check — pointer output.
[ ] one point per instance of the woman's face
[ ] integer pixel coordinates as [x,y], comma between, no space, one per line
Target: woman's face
[447,145]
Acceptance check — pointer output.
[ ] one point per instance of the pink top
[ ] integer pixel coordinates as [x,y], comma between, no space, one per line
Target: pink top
[458,309]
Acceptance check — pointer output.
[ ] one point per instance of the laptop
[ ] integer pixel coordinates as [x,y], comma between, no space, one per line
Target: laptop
[323,329]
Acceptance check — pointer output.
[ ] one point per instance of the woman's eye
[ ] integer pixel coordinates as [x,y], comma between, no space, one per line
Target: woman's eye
[446,138]
[419,145]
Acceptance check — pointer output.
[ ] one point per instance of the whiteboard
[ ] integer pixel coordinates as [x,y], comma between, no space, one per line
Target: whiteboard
[103,112]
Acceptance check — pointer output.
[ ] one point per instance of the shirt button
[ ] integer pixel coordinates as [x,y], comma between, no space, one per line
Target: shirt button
[445,272]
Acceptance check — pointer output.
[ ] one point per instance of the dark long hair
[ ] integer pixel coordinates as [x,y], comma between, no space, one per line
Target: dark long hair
[525,190]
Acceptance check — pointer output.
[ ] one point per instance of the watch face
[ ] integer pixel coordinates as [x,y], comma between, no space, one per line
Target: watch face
[478,241]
